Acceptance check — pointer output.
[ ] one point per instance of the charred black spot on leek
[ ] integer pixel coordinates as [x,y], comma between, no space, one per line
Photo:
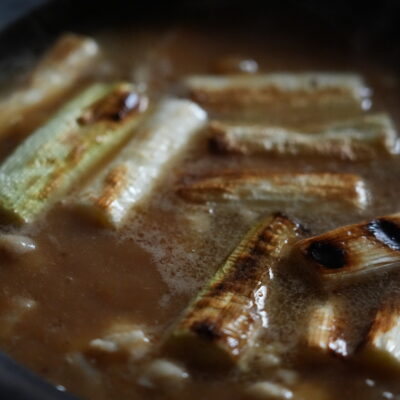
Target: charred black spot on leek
[386,232]
[351,251]
[113,108]
[215,145]
[206,330]
[328,254]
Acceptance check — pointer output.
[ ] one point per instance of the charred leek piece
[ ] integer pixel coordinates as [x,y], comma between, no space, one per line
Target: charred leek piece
[277,187]
[225,317]
[66,63]
[54,157]
[132,176]
[352,250]
[271,92]
[361,138]
[326,329]
[381,346]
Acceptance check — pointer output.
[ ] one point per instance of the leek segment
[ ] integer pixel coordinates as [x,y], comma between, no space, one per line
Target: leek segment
[224,319]
[134,173]
[381,347]
[59,71]
[347,253]
[327,328]
[281,96]
[53,158]
[306,188]
[356,139]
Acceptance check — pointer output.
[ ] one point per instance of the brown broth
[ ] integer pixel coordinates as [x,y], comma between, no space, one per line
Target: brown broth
[83,278]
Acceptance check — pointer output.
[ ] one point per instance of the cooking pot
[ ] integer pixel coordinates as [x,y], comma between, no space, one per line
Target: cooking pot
[366,27]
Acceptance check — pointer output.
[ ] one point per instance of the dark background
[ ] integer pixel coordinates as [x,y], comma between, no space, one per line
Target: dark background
[373,24]
[11,10]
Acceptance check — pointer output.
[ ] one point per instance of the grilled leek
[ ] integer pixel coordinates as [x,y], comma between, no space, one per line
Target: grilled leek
[326,329]
[132,176]
[66,63]
[277,187]
[352,250]
[225,317]
[321,94]
[361,138]
[54,157]
[381,346]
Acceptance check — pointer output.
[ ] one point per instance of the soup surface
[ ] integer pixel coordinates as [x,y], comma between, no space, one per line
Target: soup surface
[83,279]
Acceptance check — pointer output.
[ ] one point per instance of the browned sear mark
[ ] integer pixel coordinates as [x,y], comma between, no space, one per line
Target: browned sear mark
[231,97]
[113,184]
[115,107]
